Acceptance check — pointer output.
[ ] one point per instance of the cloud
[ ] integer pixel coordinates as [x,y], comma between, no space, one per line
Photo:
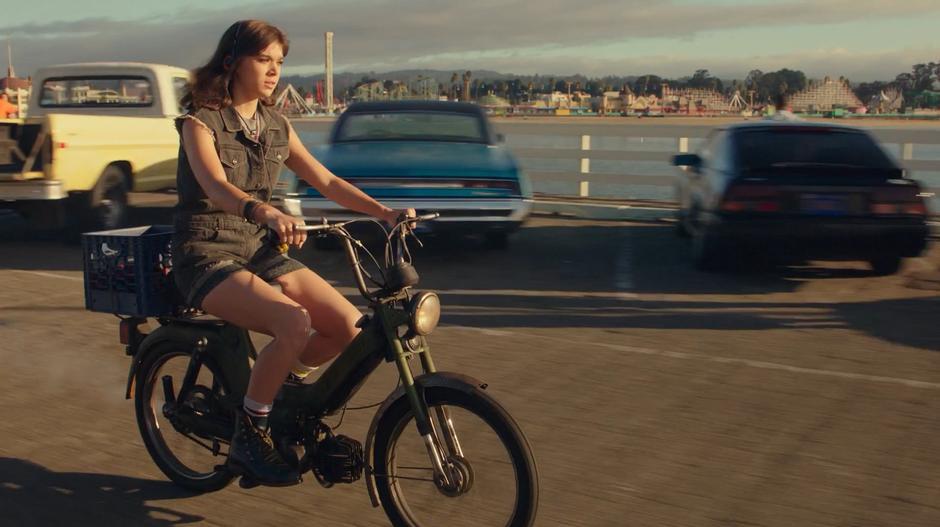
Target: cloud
[857,66]
[509,35]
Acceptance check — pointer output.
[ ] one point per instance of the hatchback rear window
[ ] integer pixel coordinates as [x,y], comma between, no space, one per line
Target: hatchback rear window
[809,148]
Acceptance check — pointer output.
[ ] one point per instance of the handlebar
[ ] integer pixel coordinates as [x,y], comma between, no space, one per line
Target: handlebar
[337,228]
[320,227]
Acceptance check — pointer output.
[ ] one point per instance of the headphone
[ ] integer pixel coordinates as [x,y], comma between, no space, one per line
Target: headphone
[230,58]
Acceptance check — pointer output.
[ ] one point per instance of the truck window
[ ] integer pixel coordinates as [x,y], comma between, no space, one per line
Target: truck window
[96,91]
[179,90]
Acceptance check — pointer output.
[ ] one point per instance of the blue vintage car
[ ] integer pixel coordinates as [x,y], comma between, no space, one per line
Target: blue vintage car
[433,156]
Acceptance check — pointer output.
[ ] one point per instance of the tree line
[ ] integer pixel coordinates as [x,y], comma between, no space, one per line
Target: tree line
[759,87]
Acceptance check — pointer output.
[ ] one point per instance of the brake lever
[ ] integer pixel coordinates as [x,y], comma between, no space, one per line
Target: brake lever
[415,236]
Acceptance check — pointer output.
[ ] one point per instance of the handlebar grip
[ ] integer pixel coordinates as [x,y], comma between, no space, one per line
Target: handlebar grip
[274,238]
[314,227]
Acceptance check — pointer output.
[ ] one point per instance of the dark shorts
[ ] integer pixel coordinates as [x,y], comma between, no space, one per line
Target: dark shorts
[209,249]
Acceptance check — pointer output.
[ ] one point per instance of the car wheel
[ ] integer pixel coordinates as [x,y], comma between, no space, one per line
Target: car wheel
[883,265]
[682,228]
[707,252]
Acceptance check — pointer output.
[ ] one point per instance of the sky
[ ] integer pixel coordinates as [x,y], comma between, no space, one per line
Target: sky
[862,40]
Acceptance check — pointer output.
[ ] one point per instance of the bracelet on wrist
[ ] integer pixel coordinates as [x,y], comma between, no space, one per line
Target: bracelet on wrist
[249,209]
[241,205]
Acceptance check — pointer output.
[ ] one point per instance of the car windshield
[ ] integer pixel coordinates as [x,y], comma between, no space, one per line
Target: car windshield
[411,126]
[767,150]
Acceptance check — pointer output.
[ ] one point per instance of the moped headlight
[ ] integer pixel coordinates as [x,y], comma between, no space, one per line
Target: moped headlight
[425,310]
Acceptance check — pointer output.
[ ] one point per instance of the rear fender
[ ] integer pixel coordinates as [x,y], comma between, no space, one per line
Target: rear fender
[229,347]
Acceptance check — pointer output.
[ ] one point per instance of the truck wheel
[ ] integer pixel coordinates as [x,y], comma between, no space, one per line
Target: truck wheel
[107,204]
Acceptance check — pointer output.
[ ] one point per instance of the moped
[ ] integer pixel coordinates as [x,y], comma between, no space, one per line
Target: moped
[439,450]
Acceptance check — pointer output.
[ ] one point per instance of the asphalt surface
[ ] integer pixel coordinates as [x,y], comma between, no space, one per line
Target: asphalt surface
[652,394]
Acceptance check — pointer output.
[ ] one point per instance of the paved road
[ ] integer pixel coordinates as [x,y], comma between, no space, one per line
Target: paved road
[652,394]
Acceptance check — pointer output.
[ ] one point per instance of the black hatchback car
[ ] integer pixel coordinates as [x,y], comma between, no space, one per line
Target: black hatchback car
[798,190]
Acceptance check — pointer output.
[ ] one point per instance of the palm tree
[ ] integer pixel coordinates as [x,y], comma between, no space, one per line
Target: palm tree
[453,86]
[466,85]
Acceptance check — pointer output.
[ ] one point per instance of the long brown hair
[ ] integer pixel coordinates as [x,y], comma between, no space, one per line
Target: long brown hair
[210,85]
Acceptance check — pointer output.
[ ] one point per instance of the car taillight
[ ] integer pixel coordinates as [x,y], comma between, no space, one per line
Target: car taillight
[751,199]
[904,201]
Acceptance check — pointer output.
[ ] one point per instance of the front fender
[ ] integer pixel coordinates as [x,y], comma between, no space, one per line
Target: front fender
[441,379]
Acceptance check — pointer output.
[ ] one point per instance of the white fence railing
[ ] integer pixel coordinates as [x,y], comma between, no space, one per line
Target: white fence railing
[906,144]
[630,159]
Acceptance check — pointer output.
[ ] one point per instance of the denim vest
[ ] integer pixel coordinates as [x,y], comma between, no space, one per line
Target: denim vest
[252,166]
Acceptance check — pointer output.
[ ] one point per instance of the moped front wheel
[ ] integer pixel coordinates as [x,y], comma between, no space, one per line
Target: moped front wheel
[187,439]
[492,472]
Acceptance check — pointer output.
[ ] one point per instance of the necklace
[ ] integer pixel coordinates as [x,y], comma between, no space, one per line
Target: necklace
[252,128]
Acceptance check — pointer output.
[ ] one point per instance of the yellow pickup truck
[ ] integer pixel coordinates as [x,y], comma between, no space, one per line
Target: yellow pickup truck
[93,132]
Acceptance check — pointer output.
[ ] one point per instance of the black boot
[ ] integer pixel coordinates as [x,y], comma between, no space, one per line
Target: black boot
[252,454]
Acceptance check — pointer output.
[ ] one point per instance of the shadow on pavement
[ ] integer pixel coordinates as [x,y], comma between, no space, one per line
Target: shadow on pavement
[578,257]
[23,248]
[910,322]
[906,322]
[546,255]
[568,273]
[34,495]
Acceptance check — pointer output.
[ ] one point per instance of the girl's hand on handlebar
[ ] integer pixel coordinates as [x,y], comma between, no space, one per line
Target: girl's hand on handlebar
[282,224]
[393,217]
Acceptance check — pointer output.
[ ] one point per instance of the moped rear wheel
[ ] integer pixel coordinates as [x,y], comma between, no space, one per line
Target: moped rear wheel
[187,454]
[494,472]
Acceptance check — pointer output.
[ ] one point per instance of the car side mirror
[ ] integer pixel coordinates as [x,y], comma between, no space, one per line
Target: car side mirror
[692,161]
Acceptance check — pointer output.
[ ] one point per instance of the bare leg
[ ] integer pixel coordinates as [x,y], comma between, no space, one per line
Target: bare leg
[247,301]
[332,316]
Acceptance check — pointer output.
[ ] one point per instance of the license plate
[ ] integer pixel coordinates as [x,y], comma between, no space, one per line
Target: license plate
[824,204]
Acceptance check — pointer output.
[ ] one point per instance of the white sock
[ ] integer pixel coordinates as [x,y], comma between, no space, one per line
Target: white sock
[256,409]
[301,370]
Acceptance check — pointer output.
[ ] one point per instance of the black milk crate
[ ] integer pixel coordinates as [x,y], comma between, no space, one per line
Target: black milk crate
[127,271]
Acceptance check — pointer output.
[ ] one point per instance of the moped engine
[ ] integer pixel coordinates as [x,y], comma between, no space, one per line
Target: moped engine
[336,458]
